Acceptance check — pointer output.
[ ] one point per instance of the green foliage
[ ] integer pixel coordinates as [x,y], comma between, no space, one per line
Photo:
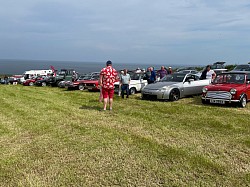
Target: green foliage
[53,137]
[230,67]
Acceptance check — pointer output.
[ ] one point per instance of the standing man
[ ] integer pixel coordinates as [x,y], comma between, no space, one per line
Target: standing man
[169,71]
[152,76]
[124,82]
[108,76]
[162,72]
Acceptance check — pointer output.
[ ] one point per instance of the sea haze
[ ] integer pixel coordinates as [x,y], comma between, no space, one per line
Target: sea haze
[19,66]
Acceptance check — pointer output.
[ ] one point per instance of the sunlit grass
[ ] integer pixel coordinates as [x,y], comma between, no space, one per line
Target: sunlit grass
[53,137]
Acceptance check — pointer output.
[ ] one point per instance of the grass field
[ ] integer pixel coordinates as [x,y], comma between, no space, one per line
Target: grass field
[53,137]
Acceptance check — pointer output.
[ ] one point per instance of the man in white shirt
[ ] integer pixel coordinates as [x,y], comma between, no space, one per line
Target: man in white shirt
[124,82]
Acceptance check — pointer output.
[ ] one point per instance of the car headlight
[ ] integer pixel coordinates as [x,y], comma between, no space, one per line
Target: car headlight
[164,88]
[204,90]
[233,91]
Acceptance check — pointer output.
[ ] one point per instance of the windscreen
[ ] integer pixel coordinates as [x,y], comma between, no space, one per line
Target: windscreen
[173,78]
[230,79]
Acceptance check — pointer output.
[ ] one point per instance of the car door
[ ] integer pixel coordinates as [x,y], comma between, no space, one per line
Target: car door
[143,81]
[192,85]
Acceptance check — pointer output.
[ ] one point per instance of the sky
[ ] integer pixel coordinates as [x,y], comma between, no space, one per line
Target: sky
[196,32]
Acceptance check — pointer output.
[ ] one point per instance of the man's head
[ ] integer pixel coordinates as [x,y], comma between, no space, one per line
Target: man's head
[125,71]
[109,63]
[162,67]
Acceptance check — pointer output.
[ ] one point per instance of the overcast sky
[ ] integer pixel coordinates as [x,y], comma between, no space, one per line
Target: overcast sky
[193,32]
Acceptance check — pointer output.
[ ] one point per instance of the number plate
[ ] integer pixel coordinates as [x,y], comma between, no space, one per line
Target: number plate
[217,101]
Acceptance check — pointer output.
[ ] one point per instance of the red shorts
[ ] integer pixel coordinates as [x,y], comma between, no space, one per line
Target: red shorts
[108,93]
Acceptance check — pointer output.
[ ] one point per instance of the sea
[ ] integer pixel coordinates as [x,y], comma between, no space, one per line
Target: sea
[18,67]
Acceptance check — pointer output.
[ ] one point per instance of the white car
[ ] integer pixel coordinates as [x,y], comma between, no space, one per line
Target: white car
[136,84]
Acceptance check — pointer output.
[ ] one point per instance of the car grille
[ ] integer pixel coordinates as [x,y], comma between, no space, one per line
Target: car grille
[219,95]
[149,97]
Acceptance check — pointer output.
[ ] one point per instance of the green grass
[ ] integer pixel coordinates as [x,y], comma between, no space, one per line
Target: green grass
[53,137]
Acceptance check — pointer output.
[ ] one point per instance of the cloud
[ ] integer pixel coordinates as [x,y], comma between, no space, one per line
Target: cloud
[131,29]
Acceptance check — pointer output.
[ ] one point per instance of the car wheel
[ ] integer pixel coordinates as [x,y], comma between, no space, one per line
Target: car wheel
[44,84]
[132,91]
[243,101]
[174,95]
[31,83]
[81,87]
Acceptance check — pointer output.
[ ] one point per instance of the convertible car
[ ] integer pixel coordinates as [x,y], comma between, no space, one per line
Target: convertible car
[174,86]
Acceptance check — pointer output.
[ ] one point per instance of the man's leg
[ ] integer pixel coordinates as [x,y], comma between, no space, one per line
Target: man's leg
[127,90]
[105,101]
[123,91]
[110,103]
[105,98]
[111,95]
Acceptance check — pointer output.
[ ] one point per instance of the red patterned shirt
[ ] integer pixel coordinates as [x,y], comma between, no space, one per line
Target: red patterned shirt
[109,77]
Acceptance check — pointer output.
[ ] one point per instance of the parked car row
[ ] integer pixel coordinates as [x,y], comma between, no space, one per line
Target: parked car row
[227,88]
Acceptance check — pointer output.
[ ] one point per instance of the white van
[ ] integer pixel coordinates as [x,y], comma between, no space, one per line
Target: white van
[31,73]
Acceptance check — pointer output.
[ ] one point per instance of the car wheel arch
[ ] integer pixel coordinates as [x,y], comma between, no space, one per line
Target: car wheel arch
[243,100]
[174,94]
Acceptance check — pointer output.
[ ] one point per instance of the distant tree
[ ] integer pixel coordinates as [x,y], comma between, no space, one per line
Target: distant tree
[230,67]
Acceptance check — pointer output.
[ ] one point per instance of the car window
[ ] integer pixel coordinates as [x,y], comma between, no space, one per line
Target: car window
[177,77]
[230,79]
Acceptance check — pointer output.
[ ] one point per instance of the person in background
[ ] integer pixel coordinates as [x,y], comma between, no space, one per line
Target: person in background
[124,82]
[208,73]
[169,71]
[120,88]
[162,72]
[100,88]
[5,79]
[108,76]
[148,74]
[152,76]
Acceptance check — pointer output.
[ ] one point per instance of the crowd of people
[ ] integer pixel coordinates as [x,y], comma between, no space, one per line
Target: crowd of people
[108,76]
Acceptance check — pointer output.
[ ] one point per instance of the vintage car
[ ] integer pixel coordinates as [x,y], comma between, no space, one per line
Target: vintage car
[229,87]
[31,82]
[80,84]
[92,85]
[136,84]
[174,86]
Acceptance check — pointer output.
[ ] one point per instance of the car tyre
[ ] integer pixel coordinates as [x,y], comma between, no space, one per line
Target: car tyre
[243,101]
[31,84]
[132,91]
[81,87]
[44,84]
[174,95]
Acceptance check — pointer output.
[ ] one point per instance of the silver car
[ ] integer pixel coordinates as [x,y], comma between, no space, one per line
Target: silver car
[174,86]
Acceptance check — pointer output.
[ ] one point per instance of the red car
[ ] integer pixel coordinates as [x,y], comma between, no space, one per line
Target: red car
[92,85]
[30,82]
[229,87]
[81,84]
